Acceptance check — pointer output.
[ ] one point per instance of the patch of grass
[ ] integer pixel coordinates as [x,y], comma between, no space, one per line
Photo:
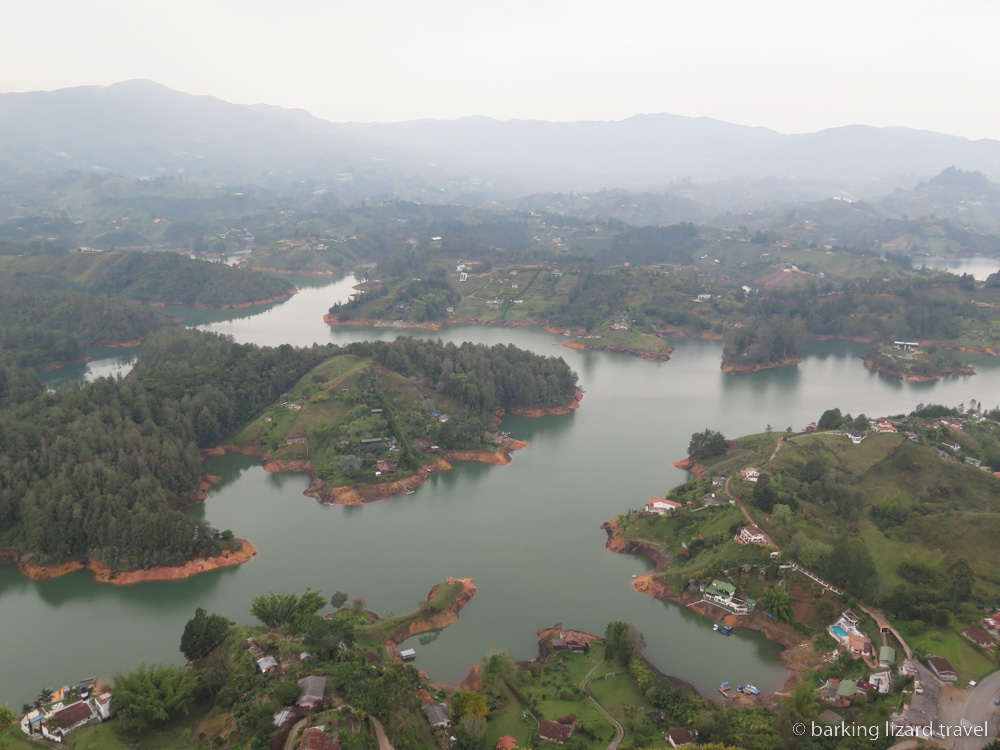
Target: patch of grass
[968,660]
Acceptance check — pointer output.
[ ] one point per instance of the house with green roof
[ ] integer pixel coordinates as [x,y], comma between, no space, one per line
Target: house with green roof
[886,656]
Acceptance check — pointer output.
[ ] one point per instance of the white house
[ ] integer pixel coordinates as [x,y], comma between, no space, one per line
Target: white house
[752,534]
[659,506]
[750,475]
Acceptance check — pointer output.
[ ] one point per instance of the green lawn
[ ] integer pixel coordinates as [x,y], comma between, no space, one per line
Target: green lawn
[969,660]
[509,719]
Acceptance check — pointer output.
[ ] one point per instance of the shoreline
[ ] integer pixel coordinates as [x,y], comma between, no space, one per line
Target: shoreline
[788,639]
[615,349]
[731,369]
[228,306]
[897,375]
[104,574]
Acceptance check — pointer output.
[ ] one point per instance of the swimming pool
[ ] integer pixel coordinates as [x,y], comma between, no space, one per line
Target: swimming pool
[838,632]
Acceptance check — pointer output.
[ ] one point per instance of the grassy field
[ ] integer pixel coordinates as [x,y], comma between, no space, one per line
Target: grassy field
[395,628]
[970,662]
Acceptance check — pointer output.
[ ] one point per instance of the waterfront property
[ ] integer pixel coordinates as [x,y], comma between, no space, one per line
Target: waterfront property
[723,594]
[57,720]
[437,715]
[659,506]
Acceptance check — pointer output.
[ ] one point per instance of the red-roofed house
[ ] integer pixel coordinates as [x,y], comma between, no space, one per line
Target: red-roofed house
[506,743]
[679,738]
[386,468]
[979,636]
[659,506]
[750,475]
[883,427]
[555,732]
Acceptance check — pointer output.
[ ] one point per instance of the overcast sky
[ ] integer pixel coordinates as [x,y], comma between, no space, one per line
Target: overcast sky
[792,65]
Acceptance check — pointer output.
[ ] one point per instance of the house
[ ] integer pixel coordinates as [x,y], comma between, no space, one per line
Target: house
[102,706]
[311,691]
[714,499]
[385,469]
[840,692]
[883,427]
[61,722]
[942,668]
[979,636]
[882,681]
[886,656]
[704,297]
[659,506]
[370,441]
[266,663]
[753,534]
[295,441]
[973,461]
[437,715]
[506,743]
[992,624]
[906,346]
[951,445]
[443,418]
[859,645]
[679,738]
[571,640]
[316,738]
[750,474]
[555,731]
[463,276]
[493,304]
[718,481]
[855,437]
[282,718]
[407,654]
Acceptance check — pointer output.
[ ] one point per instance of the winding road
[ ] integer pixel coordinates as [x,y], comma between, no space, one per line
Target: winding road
[619,729]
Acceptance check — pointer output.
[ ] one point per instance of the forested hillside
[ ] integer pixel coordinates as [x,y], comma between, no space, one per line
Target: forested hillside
[95,470]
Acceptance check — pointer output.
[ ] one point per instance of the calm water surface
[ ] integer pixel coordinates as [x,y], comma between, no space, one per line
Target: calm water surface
[528,533]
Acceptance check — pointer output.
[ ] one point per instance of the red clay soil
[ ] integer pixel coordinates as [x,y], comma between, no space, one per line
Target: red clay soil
[438,620]
[692,465]
[550,410]
[52,366]
[104,574]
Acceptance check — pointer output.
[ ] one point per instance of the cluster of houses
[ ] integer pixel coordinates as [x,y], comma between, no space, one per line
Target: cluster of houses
[69,708]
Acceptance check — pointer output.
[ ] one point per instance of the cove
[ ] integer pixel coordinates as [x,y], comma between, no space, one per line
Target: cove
[528,533]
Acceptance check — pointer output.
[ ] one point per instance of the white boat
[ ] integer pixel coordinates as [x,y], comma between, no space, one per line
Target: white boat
[750,690]
[715,626]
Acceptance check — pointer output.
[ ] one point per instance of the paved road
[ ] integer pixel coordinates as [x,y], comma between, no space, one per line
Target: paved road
[619,729]
[979,708]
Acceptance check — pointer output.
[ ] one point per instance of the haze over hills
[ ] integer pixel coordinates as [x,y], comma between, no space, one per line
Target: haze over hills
[142,128]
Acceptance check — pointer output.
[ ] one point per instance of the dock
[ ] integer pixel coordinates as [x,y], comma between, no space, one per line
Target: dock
[724,688]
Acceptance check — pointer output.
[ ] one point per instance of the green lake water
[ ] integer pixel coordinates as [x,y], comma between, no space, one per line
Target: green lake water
[528,533]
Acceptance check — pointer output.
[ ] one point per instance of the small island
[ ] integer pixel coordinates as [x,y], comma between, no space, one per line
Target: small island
[909,360]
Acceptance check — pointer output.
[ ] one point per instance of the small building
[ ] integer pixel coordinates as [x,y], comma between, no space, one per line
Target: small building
[679,738]
[753,534]
[571,640]
[385,469]
[463,276]
[443,418]
[555,731]
[886,656]
[437,715]
[266,663]
[906,346]
[859,645]
[718,481]
[407,654]
[311,690]
[658,506]
[65,720]
[951,445]
[942,668]
[883,427]
[102,706]
[506,743]
[750,474]
[295,441]
[855,437]
[979,636]
[370,441]
[973,461]
[704,297]
[882,681]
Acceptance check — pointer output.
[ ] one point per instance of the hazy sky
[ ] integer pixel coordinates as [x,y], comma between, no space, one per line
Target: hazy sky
[792,65]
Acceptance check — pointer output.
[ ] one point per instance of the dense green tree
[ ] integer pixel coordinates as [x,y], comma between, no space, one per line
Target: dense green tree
[467,703]
[153,696]
[831,419]
[470,733]
[961,581]
[338,600]
[777,601]
[275,610]
[202,633]
[706,444]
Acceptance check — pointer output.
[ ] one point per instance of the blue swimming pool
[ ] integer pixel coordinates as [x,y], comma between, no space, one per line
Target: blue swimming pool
[838,631]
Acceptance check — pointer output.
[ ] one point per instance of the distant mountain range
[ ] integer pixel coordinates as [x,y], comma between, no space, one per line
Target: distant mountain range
[142,128]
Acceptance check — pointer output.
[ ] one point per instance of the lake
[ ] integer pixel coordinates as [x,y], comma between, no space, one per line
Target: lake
[528,533]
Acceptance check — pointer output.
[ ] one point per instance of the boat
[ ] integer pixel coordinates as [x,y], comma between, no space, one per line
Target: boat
[750,690]
[411,492]
[726,630]
[634,575]
[715,626]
